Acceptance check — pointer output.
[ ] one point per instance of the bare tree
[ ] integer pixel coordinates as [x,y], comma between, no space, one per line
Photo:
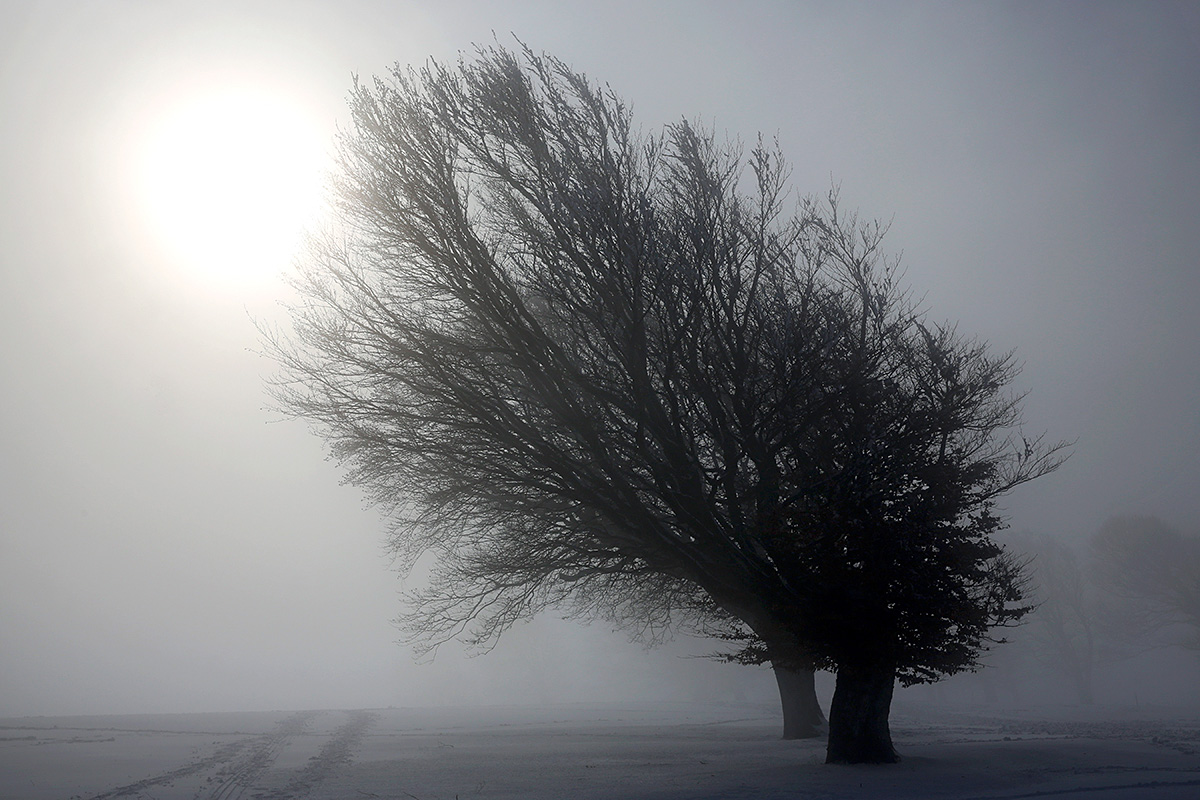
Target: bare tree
[1150,573]
[1064,631]
[609,372]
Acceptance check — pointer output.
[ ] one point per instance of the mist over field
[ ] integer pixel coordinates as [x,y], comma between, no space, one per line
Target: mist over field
[169,545]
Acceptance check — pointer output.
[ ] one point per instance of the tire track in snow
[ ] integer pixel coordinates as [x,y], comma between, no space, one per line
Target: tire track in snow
[333,754]
[263,753]
[237,764]
[1089,789]
[222,755]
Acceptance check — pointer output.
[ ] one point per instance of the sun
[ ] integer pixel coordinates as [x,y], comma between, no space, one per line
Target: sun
[228,180]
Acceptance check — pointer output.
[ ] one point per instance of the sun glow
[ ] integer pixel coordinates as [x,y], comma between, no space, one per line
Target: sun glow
[228,180]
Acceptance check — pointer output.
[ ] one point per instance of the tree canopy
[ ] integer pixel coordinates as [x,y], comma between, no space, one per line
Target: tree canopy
[628,374]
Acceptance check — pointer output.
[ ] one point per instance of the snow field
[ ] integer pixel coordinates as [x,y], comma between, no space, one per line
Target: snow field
[665,751]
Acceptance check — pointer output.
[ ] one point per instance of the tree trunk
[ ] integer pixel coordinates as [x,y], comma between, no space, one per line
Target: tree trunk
[802,717]
[858,717]
[1081,677]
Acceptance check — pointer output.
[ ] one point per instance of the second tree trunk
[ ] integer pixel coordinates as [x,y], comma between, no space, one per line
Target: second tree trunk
[858,716]
[802,717]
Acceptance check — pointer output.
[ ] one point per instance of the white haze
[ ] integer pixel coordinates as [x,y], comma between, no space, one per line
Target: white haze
[168,545]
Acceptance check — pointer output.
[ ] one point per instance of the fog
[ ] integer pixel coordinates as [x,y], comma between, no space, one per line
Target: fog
[169,544]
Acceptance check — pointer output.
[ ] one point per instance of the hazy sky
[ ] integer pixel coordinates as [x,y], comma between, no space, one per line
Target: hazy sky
[164,547]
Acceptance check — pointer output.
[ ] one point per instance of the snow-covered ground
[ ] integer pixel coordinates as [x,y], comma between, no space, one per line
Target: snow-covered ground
[593,751]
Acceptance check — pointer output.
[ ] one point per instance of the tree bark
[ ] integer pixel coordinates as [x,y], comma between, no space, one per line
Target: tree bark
[802,717]
[858,717]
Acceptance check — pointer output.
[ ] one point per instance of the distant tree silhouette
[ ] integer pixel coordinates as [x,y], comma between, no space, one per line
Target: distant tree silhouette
[1065,630]
[610,372]
[1150,573]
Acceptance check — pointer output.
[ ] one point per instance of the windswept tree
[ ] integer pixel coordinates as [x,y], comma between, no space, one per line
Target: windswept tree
[613,373]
